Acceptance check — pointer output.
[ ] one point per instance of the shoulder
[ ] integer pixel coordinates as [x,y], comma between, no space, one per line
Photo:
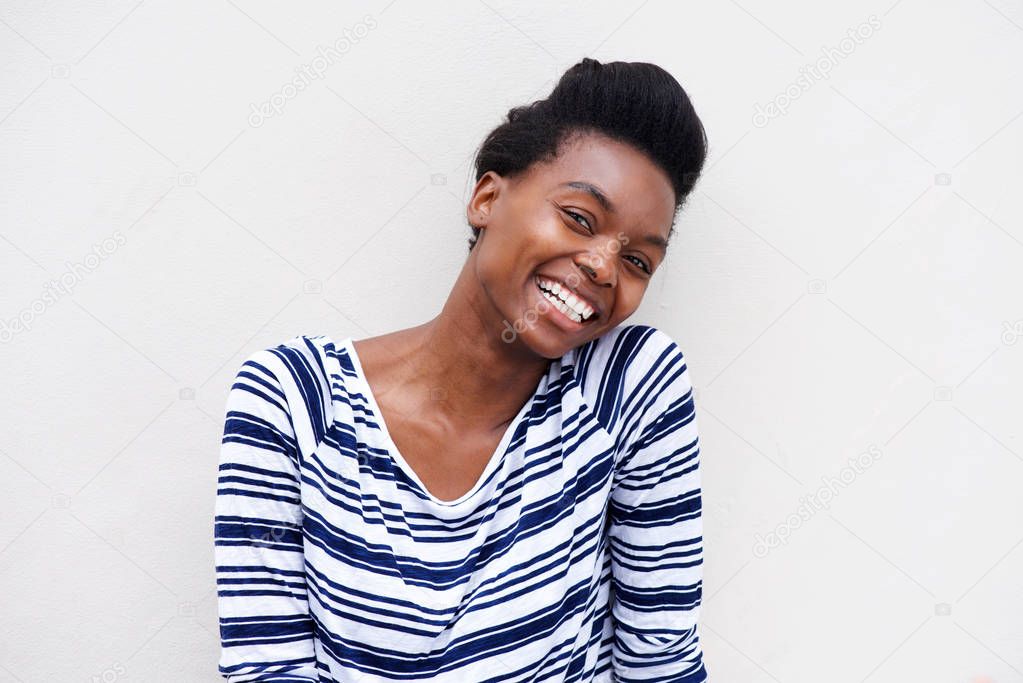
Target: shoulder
[299,360]
[627,354]
[298,370]
[625,370]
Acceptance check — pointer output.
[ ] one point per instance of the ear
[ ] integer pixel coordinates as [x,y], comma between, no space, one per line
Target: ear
[485,192]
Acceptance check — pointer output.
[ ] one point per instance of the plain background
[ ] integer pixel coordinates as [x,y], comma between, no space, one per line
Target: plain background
[845,283]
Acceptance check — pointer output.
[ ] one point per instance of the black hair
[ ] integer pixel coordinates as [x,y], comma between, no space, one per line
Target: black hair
[636,103]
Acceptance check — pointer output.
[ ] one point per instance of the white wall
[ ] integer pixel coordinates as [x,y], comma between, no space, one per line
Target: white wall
[845,282]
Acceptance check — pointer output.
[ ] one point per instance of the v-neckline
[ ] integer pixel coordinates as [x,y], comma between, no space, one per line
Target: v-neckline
[392,447]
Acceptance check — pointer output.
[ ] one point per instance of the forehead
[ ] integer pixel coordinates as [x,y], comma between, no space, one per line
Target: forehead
[639,190]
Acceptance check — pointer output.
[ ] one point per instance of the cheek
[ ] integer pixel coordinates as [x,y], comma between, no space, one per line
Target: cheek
[501,269]
[627,299]
[530,243]
[550,235]
[538,226]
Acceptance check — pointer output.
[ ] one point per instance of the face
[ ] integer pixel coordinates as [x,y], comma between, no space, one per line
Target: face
[567,250]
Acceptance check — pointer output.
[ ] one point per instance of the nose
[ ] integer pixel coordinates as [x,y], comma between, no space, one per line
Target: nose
[598,268]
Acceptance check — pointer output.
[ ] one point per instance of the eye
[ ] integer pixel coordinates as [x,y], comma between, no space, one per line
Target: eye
[640,262]
[575,215]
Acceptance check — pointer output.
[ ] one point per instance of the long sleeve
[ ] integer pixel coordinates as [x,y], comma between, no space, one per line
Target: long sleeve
[266,633]
[655,525]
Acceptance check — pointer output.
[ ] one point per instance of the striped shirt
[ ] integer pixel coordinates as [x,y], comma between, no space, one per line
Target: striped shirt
[576,556]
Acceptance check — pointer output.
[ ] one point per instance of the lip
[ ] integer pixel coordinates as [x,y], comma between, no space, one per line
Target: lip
[596,309]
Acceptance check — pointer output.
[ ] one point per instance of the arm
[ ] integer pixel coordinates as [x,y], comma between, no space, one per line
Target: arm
[655,525]
[266,633]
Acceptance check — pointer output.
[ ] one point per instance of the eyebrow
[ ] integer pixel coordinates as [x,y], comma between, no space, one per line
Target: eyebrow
[594,192]
[608,205]
[657,241]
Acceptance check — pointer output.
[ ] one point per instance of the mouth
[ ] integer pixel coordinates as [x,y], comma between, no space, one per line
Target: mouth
[570,306]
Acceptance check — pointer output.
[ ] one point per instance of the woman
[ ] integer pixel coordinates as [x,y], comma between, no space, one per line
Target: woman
[510,491]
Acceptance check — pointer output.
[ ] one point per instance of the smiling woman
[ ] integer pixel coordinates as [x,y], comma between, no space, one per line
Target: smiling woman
[510,491]
[584,187]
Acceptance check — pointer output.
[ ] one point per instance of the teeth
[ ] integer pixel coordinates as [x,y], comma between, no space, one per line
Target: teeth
[565,301]
[560,305]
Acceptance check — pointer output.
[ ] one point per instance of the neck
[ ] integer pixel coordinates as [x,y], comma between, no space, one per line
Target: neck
[481,377]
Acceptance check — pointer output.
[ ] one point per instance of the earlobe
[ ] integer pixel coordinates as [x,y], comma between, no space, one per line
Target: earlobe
[478,219]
